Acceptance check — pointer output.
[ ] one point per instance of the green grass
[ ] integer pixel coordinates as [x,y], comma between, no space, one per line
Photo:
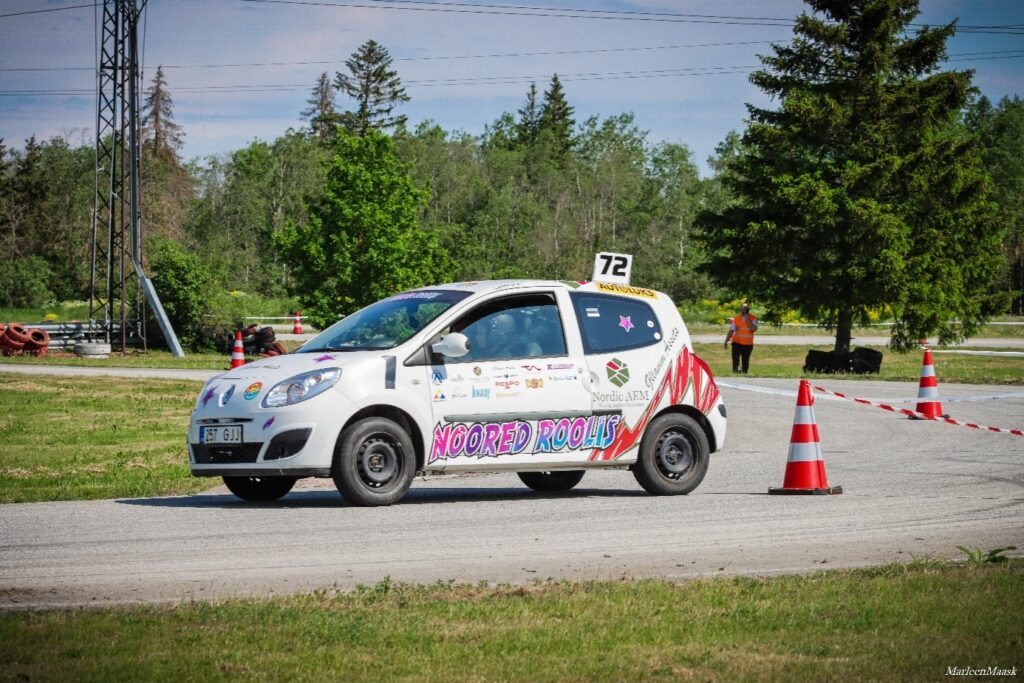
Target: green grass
[137,359]
[786,361]
[57,312]
[896,622]
[131,359]
[85,438]
[986,331]
[783,361]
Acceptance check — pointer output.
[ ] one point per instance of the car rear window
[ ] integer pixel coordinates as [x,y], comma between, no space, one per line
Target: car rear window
[614,323]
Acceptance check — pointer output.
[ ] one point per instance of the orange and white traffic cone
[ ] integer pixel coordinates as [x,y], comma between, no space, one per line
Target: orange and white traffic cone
[805,469]
[297,327]
[238,352]
[928,402]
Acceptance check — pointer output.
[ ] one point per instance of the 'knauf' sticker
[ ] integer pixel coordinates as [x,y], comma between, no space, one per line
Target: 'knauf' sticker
[253,390]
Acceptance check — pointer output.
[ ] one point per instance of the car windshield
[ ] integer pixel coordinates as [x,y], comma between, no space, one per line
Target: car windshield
[385,324]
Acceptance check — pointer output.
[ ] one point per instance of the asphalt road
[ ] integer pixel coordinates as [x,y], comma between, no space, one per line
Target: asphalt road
[911,489]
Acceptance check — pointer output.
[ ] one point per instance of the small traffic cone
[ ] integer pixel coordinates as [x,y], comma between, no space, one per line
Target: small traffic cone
[928,402]
[237,353]
[297,327]
[805,469]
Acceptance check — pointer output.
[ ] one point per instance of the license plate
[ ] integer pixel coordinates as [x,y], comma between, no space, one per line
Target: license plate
[221,434]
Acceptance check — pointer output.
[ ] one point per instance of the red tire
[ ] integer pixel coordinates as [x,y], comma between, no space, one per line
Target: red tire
[16,332]
[8,344]
[38,339]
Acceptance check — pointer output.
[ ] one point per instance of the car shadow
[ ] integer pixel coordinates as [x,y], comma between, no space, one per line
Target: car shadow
[426,496]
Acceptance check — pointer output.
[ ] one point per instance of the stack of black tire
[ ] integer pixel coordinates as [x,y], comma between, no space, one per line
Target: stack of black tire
[860,361]
[260,341]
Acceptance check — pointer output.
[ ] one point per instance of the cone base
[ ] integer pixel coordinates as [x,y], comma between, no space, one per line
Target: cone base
[783,491]
[918,417]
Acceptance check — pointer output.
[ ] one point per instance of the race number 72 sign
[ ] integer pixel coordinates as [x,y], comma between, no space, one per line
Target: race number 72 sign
[613,268]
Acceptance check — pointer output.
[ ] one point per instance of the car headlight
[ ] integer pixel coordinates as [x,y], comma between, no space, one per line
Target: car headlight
[301,387]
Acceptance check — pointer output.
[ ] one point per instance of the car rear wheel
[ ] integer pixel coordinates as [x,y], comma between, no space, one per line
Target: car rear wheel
[374,463]
[259,489]
[551,481]
[673,456]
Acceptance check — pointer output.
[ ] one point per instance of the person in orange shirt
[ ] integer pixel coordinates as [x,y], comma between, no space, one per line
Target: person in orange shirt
[741,332]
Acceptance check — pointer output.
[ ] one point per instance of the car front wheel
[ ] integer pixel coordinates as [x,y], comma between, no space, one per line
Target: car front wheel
[374,463]
[673,456]
[259,489]
[551,481]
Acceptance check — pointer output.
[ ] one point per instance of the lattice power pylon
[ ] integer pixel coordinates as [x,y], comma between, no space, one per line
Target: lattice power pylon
[119,288]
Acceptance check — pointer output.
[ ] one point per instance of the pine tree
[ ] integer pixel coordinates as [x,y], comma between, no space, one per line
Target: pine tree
[556,119]
[159,130]
[322,117]
[375,87]
[166,186]
[863,191]
[528,125]
[1002,134]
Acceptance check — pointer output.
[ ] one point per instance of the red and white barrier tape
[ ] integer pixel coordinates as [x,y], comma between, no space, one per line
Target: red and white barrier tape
[914,413]
[945,399]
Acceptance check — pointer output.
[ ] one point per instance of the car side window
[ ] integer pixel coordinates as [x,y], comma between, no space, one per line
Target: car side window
[512,327]
[614,323]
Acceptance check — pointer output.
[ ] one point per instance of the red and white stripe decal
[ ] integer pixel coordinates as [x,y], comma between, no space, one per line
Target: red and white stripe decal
[688,368]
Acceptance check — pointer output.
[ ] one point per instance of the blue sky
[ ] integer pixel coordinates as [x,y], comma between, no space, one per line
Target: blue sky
[685,80]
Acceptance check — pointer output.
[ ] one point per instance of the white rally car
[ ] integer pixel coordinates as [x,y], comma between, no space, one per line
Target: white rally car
[544,378]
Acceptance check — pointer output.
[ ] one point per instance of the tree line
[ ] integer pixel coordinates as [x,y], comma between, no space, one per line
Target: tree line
[881,184]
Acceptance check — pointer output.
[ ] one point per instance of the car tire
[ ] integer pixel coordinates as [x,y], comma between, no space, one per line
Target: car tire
[673,456]
[374,463]
[259,489]
[551,481]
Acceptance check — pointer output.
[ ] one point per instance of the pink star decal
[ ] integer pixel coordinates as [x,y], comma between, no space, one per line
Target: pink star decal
[625,322]
[208,395]
[324,357]
[268,422]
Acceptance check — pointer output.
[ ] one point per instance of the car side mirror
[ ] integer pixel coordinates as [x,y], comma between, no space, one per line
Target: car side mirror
[454,345]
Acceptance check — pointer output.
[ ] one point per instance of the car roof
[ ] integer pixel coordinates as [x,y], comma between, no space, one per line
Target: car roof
[487,286]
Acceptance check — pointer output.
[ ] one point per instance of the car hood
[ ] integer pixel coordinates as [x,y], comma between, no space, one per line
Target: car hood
[280,368]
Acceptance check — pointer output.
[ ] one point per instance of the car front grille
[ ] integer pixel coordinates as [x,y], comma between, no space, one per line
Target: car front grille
[219,454]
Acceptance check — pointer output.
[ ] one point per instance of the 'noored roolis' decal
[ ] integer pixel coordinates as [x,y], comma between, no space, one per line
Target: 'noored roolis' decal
[491,439]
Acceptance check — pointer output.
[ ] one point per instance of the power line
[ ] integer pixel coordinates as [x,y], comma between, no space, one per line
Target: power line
[647,48]
[44,11]
[1010,54]
[580,13]
[474,80]
[481,80]
[548,12]
[430,83]
[558,12]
